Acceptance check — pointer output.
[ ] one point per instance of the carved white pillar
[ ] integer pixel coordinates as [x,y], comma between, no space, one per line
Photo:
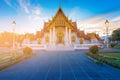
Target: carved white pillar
[51,36]
[66,35]
[70,36]
[54,36]
[50,41]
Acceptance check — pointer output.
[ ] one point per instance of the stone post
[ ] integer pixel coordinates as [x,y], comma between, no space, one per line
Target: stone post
[54,36]
[50,34]
[66,36]
[70,36]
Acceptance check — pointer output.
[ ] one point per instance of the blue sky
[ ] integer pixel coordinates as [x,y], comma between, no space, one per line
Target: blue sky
[30,14]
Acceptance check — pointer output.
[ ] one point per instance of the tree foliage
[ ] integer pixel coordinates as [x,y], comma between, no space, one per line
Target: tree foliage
[6,38]
[27,50]
[116,35]
[94,49]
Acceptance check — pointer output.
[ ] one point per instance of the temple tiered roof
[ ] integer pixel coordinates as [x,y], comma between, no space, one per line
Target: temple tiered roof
[61,20]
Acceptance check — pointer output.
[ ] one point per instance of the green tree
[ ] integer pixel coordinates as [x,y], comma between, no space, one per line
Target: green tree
[116,35]
[94,49]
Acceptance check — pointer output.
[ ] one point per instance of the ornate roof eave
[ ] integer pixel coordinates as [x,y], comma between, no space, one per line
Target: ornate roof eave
[63,15]
[80,34]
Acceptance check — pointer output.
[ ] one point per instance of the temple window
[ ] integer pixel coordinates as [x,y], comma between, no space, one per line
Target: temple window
[59,22]
[47,39]
[81,41]
[73,39]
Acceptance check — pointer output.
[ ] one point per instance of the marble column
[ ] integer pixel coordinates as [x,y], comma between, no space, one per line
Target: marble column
[53,36]
[70,36]
[66,36]
[50,39]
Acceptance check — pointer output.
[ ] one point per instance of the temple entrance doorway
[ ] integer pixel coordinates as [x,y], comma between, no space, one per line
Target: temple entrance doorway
[60,38]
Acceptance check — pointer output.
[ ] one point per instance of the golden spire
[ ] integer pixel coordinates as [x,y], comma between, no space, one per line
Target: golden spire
[60,1]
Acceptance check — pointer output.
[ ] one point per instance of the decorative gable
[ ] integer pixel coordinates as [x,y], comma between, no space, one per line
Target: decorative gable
[60,20]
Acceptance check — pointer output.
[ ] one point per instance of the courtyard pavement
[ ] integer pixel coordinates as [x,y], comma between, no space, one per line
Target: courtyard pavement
[60,65]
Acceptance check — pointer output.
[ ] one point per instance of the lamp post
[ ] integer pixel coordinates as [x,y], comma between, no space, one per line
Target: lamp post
[107,26]
[14,25]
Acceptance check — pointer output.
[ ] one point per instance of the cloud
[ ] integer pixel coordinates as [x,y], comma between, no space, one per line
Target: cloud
[24,4]
[116,19]
[73,12]
[8,2]
[15,5]
[36,11]
[19,4]
[77,13]
[27,18]
[97,23]
[28,8]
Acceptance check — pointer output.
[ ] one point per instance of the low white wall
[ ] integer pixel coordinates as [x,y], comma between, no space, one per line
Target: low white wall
[36,46]
[84,46]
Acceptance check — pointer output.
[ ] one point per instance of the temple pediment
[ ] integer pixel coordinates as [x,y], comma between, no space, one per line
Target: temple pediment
[60,20]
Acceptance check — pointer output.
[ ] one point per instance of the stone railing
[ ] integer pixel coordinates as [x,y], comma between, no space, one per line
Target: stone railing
[36,46]
[84,46]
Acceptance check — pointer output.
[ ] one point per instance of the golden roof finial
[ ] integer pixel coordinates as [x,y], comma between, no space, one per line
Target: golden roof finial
[60,3]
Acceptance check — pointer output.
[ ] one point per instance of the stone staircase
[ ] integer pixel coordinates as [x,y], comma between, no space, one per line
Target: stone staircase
[60,47]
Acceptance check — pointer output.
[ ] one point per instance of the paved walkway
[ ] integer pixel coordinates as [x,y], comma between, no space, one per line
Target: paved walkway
[67,65]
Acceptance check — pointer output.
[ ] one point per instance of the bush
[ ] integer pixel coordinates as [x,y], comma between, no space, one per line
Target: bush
[94,49]
[27,50]
[112,45]
[98,61]
[15,53]
[117,46]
